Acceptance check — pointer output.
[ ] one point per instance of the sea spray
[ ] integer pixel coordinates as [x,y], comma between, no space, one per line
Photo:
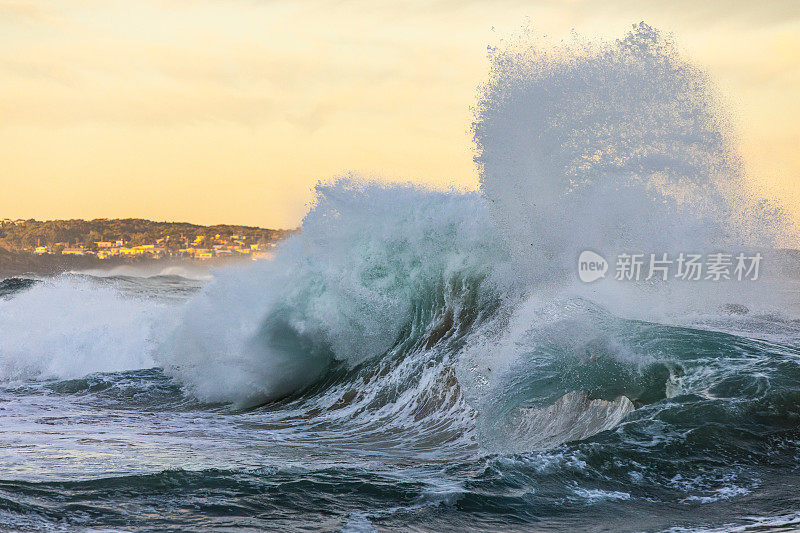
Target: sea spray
[611,146]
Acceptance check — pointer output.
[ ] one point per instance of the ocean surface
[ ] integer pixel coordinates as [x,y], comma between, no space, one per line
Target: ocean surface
[421,360]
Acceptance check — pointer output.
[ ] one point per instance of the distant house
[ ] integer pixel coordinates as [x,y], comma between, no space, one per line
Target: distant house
[73,251]
[108,252]
[42,250]
[104,244]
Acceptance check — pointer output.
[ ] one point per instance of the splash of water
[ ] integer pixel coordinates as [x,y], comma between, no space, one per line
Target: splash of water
[613,147]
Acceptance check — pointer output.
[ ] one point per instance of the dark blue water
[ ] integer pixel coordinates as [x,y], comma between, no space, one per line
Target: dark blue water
[392,444]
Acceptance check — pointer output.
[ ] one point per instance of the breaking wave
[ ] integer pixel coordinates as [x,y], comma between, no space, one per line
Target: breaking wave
[417,318]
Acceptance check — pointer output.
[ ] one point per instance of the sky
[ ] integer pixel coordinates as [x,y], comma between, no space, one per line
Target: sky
[229,111]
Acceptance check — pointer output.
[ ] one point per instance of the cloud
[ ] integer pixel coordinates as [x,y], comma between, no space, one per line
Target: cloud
[20,10]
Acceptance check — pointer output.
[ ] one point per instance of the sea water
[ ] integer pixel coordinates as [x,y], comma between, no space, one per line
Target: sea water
[430,360]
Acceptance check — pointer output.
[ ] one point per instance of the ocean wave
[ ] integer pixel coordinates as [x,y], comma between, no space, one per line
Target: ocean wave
[420,320]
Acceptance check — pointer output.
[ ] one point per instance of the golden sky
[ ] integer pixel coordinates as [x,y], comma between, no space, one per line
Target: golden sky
[216,111]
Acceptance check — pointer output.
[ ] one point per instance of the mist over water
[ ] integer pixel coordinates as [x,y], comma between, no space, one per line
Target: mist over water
[429,359]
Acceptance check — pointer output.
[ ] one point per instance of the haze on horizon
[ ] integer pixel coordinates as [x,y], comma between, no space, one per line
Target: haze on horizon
[230,111]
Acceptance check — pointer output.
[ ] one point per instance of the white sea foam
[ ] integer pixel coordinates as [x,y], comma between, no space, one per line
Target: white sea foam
[68,327]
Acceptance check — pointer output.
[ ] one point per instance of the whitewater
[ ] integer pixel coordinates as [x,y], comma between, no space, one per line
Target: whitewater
[428,360]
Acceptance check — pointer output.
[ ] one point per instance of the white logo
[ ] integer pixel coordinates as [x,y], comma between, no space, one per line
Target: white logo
[591,266]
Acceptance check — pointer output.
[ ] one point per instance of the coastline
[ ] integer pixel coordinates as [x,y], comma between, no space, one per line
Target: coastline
[20,264]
